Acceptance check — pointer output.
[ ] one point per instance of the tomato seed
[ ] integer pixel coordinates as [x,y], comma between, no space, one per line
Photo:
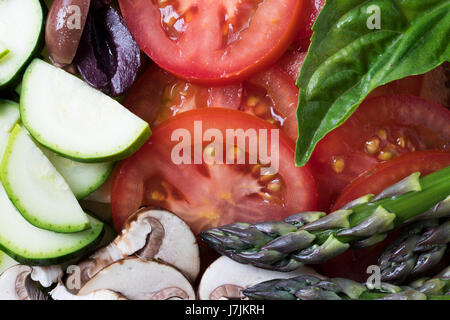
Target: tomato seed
[372,146]
[338,164]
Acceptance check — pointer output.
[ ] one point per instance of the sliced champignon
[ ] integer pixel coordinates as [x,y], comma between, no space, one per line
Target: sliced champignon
[60,292]
[139,279]
[16,284]
[151,234]
[226,279]
[47,276]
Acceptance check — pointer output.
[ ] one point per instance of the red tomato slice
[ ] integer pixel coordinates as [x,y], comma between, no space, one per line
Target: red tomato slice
[381,129]
[311,12]
[383,175]
[213,41]
[270,95]
[208,195]
[273,96]
[293,59]
[158,96]
[436,85]
[353,263]
[409,85]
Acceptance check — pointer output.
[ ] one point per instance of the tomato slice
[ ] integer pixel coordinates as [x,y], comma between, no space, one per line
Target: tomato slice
[409,85]
[213,41]
[353,263]
[273,96]
[208,195]
[381,129]
[270,95]
[292,60]
[311,12]
[383,175]
[158,96]
[436,85]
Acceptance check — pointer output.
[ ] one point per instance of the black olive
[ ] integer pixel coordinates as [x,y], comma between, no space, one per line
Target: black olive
[108,57]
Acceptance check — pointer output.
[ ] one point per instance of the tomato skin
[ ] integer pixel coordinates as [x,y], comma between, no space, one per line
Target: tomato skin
[208,196]
[381,129]
[200,56]
[353,263]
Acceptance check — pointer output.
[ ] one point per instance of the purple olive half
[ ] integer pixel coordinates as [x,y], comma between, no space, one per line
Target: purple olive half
[63,30]
[108,57]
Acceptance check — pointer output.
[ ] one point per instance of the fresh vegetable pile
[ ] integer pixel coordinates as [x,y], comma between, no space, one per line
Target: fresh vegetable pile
[305,141]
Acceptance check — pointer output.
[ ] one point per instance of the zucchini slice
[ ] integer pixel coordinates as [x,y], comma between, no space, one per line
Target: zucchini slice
[37,190]
[69,117]
[82,178]
[21,32]
[33,246]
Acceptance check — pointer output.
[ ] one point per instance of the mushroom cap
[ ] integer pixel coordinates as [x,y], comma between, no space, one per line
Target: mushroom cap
[60,292]
[226,278]
[150,234]
[139,279]
[178,246]
[16,284]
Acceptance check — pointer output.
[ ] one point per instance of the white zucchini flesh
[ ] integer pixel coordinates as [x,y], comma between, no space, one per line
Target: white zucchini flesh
[6,262]
[75,120]
[21,24]
[38,191]
[82,178]
[31,245]
[3,50]
[9,115]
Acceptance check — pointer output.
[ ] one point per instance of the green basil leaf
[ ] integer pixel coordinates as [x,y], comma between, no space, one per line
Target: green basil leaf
[349,57]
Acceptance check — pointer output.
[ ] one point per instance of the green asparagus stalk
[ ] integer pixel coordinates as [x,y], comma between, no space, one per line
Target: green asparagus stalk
[309,287]
[417,250]
[313,237]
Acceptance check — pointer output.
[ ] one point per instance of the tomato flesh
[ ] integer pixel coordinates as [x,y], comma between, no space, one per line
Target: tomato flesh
[311,12]
[207,195]
[380,130]
[270,95]
[436,85]
[293,59]
[353,263]
[213,41]
[158,96]
[383,175]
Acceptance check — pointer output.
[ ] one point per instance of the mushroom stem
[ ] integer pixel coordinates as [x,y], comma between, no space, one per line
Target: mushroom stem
[149,234]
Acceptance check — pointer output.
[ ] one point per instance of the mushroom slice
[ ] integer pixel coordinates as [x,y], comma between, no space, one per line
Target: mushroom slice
[226,279]
[60,292]
[139,279]
[47,275]
[16,284]
[151,234]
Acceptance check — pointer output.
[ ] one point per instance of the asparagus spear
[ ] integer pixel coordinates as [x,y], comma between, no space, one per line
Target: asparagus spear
[418,249]
[313,237]
[313,288]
